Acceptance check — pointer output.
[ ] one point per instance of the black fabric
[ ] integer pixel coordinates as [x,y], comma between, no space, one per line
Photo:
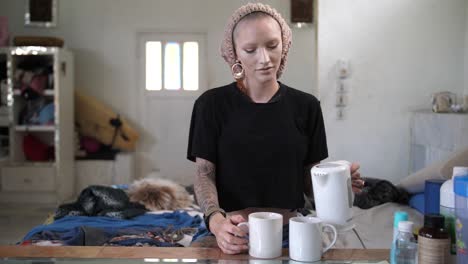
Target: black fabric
[98,200]
[377,192]
[3,69]
[259,150]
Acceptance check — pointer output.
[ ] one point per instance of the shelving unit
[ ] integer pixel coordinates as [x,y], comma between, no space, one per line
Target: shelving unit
[26,178]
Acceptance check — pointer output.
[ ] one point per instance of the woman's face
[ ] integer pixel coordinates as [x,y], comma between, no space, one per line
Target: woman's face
[258,47]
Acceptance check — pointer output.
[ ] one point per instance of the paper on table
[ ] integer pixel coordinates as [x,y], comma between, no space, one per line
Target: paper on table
[355,262]
[381,262]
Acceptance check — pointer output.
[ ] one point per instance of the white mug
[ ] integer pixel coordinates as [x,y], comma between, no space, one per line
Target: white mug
[265,234]
[305,238]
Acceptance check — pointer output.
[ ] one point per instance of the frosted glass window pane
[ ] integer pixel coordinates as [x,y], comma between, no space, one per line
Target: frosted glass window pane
[172,66]
[153,65]
[190,66]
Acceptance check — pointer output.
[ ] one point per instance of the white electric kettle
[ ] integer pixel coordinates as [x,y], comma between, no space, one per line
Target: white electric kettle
[333,192]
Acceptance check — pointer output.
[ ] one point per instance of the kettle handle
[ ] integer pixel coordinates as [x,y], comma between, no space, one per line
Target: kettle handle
[350,192]
[349,181]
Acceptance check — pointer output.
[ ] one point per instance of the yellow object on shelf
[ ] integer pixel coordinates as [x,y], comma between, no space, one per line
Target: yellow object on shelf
[99,121]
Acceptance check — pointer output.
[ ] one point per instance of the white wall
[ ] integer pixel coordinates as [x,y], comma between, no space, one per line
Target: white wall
[400,52]
[103,36]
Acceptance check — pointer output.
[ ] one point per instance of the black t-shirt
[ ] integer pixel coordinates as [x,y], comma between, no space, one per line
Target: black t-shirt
[259,149]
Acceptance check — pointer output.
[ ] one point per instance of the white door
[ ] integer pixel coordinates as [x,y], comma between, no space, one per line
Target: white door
[169,86]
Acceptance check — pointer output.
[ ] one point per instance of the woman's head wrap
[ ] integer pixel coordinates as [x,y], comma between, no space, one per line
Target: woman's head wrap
[227,46]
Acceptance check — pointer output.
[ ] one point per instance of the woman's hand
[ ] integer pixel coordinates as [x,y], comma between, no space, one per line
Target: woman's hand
[230,238]
[357,181]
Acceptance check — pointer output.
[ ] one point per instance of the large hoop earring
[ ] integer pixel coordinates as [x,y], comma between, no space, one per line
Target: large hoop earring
[239,74]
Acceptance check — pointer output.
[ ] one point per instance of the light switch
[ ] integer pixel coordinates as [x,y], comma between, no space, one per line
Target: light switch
[343,68]
[340,87]
[341,100]
[340,113]
[343,86]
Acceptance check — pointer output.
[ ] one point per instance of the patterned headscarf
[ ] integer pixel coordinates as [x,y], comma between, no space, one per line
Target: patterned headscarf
[227,46]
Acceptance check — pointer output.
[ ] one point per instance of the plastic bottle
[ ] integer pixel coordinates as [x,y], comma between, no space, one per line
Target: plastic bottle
[405,244]
[460,185]
[433,241]
[398,217]
[447,208]
[432,196]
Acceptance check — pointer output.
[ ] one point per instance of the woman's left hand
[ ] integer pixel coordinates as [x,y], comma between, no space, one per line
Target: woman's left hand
[357,181]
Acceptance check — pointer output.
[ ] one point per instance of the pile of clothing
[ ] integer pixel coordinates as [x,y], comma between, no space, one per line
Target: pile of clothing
[377,192]
[32,78]
[173,229]
[104,215]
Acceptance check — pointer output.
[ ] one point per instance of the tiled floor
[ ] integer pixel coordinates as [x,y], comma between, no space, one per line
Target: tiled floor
[16,220]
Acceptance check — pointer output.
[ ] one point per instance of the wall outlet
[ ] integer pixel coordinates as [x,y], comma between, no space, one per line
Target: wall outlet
[341,100]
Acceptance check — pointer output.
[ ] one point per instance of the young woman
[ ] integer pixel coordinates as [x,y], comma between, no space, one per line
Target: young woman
[254,140]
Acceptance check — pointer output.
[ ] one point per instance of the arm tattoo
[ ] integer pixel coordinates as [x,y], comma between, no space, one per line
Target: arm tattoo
[205,188]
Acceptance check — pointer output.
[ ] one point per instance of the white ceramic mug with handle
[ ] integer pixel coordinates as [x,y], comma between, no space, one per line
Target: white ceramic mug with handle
[305,238]
[265,234]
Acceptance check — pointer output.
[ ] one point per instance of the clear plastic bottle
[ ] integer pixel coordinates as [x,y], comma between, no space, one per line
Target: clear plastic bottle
[405,244]
[398,217]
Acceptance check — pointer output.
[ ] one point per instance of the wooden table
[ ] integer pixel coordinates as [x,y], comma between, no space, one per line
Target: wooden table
[168,253]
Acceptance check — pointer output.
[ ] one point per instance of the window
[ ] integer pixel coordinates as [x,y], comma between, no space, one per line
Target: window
[172,62]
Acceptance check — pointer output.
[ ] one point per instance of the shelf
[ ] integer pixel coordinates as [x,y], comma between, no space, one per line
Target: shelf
[47,92]
[35,128]
[34,50]
[31,164]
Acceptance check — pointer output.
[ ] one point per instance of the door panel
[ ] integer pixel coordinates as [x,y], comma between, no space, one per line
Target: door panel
[164,147]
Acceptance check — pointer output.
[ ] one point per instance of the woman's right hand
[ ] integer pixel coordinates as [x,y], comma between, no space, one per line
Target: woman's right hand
[230,238]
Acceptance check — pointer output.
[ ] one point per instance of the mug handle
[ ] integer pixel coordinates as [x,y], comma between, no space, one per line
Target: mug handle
[334,237]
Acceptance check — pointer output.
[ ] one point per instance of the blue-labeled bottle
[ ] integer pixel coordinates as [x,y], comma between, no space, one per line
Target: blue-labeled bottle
[398,217]
[405,244]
